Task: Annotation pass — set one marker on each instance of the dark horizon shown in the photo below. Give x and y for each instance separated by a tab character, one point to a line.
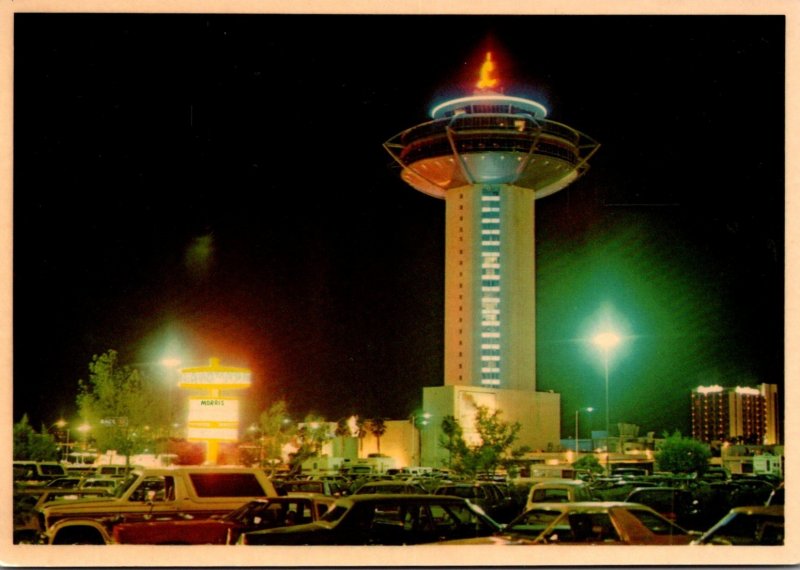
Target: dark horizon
216	184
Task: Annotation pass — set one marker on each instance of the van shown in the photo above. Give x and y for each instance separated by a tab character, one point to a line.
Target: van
116	471
37	472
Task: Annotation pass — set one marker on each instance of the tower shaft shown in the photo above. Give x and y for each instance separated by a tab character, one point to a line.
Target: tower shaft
490	287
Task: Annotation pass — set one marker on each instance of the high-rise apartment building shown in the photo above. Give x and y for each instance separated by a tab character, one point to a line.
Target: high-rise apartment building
750	415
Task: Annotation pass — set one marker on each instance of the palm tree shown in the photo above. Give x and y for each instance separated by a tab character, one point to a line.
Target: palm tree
377	427
342	429
362	426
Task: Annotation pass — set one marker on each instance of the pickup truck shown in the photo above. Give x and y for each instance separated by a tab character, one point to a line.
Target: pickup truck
149	494
260	514
27	500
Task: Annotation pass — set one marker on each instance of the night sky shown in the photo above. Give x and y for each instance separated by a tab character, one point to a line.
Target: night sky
216	186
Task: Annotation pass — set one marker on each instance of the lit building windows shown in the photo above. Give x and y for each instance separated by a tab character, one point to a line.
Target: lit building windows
490	285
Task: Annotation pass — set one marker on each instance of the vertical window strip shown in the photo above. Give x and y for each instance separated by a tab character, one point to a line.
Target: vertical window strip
490	278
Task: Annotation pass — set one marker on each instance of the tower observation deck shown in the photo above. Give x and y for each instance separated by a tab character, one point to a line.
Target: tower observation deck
490	156
491	138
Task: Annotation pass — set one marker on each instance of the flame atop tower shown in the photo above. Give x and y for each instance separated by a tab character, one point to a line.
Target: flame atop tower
487	80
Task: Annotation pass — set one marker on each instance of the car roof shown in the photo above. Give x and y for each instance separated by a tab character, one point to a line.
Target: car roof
407	498
589	505
294	497
771	510
305	495
565	482
638	490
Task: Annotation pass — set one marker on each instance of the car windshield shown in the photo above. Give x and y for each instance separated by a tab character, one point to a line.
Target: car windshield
656	524
52	469
381	489
334	514
126	484
464	492
532	523
750	530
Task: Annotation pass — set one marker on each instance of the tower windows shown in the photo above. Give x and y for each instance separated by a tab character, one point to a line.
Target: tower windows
490	285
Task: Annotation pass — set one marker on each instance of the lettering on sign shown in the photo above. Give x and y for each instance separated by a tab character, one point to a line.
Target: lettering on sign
220	409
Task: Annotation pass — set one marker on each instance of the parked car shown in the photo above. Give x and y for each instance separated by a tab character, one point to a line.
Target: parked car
629	472
70	482
678	505
776	497
384	487
118	471
762	526
27	501
486	495
38	472
608	523
559	491
323	487
106	483
386	520
718	498
256	515
716	473
609	489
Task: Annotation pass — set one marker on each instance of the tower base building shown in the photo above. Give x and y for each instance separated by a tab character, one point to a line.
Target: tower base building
538	414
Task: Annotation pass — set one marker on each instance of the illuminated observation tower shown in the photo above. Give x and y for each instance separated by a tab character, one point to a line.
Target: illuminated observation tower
489	156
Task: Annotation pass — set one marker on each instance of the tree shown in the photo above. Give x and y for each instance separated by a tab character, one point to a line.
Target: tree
120	405
310	437
452	439
361	432
276	431
342	428
497	437
377	427
588	463
33	446
492	449
680	454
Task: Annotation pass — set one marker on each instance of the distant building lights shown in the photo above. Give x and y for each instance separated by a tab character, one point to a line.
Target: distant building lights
709	389
747	391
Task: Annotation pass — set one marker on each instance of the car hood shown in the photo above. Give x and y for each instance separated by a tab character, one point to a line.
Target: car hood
496	539
309	527
78	504
296	534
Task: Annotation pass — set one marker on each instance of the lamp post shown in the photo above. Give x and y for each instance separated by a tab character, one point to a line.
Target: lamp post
256	433
606	341
419	421
171	364
577	413
84	429
62	425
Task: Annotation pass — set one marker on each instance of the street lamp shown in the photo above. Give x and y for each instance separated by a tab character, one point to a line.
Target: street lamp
256	433
84	429
606	341
419	422
171	364
577	412
62	425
